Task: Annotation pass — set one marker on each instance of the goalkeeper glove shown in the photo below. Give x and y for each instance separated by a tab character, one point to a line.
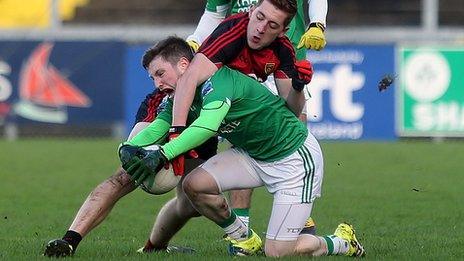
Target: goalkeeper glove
129	154
140	163
194	45
150	164
178	163
314	37
305	74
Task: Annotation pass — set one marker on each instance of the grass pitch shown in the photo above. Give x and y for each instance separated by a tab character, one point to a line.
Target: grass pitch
405	200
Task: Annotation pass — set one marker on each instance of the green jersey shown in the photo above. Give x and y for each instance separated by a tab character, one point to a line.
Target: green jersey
296	27
238	108
258	121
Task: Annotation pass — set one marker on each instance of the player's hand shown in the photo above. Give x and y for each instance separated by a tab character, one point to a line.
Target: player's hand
305	70
194	45
313	38
178	163
151	162
305	74
129	154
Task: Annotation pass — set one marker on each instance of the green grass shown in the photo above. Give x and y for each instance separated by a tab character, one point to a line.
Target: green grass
405	199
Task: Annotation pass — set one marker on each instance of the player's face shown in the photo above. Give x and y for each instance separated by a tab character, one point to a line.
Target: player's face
163	74
266	24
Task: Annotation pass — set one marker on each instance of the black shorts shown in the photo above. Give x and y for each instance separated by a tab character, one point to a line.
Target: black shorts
147	113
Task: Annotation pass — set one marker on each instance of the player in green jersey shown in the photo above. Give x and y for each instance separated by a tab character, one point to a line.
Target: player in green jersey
272	149
217	10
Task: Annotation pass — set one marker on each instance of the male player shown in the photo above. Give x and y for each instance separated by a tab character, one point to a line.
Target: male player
102	199
314	38
272	148
255	44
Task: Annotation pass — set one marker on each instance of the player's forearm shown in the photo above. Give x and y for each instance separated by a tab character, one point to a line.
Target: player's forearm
152	134
203	128
317	11
208	22
295	101
199	70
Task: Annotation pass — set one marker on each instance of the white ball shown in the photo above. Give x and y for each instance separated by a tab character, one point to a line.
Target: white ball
163	182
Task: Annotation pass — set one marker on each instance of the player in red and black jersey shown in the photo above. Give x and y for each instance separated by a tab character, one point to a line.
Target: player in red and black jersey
228	45
253	43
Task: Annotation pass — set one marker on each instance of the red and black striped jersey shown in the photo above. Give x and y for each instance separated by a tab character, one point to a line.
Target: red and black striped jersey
227	45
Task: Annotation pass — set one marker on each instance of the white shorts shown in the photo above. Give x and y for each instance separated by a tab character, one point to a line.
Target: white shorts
295	181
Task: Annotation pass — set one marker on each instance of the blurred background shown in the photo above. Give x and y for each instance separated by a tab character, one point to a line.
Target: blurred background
72	67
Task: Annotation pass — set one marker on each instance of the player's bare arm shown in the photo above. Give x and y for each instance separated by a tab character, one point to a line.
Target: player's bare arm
295	99
200	69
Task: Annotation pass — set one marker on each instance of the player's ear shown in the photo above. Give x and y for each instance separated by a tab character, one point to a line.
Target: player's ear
183	64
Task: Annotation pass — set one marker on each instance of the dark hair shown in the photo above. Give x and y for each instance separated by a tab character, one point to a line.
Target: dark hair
171	49
288	6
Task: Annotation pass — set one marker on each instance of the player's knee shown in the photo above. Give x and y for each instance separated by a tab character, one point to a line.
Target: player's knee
198	182
118	184
185	208
119	179
190	187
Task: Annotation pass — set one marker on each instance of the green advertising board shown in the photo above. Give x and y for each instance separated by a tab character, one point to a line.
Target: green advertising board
430	97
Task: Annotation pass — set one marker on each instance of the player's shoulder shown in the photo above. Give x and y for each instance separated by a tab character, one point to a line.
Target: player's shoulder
282	43
165	104
231	21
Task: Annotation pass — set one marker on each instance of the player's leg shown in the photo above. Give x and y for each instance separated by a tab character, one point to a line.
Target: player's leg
283	239
204	187
95	208
300	184
240	201
342	242
172	216
178	211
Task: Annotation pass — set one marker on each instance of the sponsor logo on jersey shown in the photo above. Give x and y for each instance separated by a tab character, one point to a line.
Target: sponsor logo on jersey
269	68
162	106
228	127
207	88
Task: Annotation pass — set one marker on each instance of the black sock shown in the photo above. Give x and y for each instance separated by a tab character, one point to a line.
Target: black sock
73	238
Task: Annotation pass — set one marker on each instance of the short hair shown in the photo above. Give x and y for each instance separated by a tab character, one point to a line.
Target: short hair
171	49
288	6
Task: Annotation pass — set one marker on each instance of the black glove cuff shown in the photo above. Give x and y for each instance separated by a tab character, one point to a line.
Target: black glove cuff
318	25
177	129
298	84
163	156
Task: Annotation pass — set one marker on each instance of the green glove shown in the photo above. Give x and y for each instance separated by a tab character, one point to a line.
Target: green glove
129	154
150	164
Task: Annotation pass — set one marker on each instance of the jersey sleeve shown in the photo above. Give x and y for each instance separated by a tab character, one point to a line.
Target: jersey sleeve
155	133
317	11
286	54
218	6
203	128
215	12
226	41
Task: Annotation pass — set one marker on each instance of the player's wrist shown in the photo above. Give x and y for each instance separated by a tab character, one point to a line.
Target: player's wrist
176	129
318	25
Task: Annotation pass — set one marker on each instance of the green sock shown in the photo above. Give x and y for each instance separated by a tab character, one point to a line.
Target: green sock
336	245
234	227
243	214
